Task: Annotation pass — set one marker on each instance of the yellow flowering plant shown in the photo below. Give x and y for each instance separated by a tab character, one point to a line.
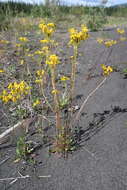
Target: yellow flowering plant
121	33
48	29
47	89
75	39
53	60
77	36
23	53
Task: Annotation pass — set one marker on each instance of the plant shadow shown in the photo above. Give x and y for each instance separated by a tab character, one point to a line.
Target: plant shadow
99	121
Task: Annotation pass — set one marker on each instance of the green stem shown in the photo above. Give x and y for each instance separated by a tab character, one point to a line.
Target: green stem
73	72
56	101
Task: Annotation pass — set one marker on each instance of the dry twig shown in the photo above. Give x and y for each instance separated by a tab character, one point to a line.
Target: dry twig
14	179
86	100
3	161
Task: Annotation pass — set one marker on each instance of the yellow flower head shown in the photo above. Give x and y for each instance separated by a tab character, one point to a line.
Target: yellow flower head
2	71
39	81
100	41
72	31
114	42
106	69
120	31
41	25
45	41
110	43
37	102
53	60
38	52
76	37
23	39
55	91
18	45
84	28
47	29
52	25
64	78
40	73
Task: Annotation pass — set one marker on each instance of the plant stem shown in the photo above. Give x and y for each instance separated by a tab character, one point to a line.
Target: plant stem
56	101
73	72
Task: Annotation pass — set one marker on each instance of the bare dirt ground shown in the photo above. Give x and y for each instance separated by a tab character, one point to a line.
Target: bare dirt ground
101	162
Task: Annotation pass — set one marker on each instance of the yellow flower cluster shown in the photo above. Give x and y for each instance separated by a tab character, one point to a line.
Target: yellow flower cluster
120	31
38	80
107	43
84	28
64	78
53	60
100	41
2	71
40	74
37	102
110	43
76	37
45	41
48	29
49	41
55	91
23	39
15	91
106	69
18	45
38	52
